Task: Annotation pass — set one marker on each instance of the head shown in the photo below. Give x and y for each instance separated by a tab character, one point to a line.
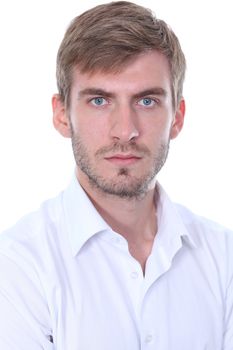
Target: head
107	37
120	74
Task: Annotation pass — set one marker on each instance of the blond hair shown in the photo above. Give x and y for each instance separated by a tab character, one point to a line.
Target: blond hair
106	37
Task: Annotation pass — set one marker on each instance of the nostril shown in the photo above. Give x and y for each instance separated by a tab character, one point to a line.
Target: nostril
124	132
124	123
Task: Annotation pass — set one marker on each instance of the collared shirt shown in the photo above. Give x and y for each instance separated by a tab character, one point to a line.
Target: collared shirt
68	282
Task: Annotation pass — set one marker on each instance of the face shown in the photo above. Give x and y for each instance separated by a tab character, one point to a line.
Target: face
121	125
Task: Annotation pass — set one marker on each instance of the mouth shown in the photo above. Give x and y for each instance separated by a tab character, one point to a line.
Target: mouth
123	159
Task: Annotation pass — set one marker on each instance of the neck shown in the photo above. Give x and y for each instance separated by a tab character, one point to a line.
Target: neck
135	218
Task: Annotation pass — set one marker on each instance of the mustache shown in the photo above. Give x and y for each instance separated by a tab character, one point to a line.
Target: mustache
123	148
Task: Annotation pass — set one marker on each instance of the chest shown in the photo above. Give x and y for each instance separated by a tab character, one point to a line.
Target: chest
108	303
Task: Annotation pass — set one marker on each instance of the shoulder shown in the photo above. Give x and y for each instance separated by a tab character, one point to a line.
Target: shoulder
214	246
29	254
27	266
201	229
33	230
214	241
202	226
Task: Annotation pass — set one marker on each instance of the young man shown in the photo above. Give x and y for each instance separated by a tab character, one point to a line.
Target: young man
111	263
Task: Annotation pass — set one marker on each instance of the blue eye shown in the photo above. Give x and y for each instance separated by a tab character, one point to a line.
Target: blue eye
147	102
98	101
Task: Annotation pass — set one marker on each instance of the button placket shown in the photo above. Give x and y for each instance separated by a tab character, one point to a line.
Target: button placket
134	275
148	338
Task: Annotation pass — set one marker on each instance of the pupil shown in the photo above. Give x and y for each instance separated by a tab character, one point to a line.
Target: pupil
98	101
146	101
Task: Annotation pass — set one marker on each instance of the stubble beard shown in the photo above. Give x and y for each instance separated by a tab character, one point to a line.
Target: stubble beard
123	184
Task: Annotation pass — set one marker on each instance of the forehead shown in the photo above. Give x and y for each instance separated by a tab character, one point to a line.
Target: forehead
147	70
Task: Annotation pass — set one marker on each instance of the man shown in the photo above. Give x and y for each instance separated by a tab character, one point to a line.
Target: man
111	263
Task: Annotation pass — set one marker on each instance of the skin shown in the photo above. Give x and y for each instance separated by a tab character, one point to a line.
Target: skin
121	125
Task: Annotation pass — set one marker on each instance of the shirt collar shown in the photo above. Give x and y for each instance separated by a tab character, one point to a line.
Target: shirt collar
82	220
171	227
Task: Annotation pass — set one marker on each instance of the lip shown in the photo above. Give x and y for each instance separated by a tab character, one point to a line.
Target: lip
123	159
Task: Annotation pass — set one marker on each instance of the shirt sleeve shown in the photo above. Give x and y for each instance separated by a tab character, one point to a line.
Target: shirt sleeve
24	317
228	333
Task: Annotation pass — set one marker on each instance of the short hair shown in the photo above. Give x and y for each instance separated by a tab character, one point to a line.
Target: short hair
107	37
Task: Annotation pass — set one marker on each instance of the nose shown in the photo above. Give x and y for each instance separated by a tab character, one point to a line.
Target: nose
124	124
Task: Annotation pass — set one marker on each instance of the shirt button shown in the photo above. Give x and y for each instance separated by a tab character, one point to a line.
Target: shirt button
148	338
134	275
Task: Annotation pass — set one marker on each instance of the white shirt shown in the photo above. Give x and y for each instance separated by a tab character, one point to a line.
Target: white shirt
65	275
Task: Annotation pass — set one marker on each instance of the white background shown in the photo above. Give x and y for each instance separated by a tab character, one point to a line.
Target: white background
36	163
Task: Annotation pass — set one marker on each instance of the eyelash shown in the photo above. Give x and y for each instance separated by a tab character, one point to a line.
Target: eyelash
96	98
153	101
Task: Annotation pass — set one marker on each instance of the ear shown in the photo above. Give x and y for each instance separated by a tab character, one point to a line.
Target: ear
61	120
178	121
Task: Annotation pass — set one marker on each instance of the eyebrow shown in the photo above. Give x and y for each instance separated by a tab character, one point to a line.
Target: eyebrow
153	91
100	92
94	92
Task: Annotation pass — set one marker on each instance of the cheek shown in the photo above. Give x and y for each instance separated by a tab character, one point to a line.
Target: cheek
93	134
158	134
